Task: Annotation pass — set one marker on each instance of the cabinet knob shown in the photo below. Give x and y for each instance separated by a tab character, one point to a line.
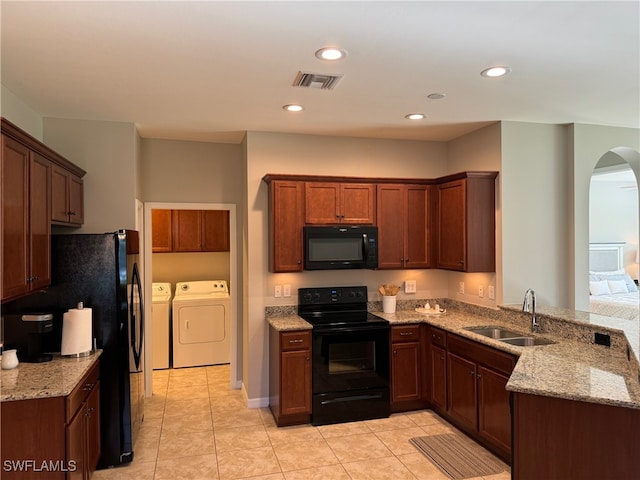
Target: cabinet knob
442	358
71	213
395	353
479	376
472	373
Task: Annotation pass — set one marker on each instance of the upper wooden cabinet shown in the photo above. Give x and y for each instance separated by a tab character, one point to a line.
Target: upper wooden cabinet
67	197
404	226
333	203
190	230
466	223
286	218
161	237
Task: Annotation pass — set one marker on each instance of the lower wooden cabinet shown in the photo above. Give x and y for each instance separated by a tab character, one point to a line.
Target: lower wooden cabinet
463	393
437	365
290	376
61	434
406	368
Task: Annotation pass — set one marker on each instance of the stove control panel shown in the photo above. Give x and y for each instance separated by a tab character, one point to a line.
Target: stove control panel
332	295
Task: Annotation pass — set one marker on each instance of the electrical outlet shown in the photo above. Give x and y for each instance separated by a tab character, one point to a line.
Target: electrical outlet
277	291
492	292
461	288
286	290
481	291
410	286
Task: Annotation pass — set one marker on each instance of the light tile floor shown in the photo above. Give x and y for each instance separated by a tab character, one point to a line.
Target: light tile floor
196	427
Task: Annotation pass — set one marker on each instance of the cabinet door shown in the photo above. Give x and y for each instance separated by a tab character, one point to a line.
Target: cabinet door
416	230
451	225
286	220
215	230
462	390
76	439
322	203
15	218
438	381
357	203
93	428
39	222
187	230
494	415
59	194
161	235
390	215
295	382
405	375
76	200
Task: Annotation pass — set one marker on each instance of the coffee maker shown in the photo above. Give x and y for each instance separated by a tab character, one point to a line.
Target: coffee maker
27	333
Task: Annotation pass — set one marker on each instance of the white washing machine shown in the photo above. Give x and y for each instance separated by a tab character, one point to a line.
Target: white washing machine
201	323
161	298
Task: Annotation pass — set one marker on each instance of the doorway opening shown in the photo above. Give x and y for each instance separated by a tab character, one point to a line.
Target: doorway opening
173	267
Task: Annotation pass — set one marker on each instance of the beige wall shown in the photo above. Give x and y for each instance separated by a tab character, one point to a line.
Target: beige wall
19	113
107	151
187	267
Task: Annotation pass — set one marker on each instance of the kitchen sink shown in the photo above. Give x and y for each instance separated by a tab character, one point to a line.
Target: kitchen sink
494	332
527	341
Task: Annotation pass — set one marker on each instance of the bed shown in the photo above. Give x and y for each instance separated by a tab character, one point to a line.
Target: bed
612	291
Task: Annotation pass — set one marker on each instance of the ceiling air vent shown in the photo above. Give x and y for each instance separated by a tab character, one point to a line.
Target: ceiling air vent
323	81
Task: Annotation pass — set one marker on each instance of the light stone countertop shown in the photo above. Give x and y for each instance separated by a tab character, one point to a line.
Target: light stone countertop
567	369
56	378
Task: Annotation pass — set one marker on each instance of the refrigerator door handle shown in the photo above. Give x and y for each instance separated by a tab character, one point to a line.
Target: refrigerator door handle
136	323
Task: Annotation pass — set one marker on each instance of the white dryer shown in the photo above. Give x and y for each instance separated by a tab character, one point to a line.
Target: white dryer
201	323
161	308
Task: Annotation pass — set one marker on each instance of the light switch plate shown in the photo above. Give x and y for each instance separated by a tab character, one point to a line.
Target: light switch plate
410	286
286	290
492	292
277	291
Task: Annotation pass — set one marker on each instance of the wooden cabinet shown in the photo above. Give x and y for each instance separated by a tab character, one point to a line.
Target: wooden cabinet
63	431
332	203
26	220
290	376
83	426
478	401
67	197
466	222
286	218
559	438
438	368
406	368
189	230
404	220
161	234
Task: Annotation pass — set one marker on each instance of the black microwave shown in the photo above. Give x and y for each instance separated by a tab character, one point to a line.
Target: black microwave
340	247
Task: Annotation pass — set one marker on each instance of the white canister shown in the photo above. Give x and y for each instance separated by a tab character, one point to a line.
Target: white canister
389	303
9	359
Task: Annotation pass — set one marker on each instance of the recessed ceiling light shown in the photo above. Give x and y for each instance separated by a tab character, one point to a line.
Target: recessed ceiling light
436	96
330	53
497	71
415	116
293	107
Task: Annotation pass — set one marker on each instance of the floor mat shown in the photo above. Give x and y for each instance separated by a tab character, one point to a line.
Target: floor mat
458	456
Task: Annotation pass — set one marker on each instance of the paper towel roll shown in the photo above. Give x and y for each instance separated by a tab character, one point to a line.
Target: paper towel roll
76	332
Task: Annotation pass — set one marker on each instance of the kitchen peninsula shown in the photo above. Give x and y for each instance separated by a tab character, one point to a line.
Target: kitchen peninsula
571	385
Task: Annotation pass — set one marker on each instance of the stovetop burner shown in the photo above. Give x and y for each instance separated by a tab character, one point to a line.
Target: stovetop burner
336	306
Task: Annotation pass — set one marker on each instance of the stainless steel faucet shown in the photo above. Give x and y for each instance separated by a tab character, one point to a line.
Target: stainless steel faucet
531	308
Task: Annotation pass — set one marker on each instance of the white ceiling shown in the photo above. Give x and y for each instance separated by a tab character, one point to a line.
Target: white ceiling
211	70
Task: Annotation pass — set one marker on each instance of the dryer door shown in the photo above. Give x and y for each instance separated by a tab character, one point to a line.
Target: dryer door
201	324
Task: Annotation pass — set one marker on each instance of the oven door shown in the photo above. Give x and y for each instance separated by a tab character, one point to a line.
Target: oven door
350	373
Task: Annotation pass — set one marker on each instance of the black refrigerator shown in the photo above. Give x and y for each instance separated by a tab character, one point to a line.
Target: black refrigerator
101	270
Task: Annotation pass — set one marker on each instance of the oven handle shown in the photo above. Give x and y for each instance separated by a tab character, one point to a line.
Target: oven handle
365	247
351	399
347	329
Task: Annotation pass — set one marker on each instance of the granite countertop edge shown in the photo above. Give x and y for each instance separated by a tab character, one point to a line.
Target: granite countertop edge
546	370
57	378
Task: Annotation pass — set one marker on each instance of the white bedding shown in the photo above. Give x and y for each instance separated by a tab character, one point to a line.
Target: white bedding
620	305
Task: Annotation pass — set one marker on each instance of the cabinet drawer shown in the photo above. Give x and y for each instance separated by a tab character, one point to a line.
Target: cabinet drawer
405	333
438	337
295	340
492	358
82	391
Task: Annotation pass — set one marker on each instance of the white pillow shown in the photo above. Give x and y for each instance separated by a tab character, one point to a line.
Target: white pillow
600	287
618	286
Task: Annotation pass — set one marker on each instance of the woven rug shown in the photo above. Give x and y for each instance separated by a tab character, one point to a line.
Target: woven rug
458	456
